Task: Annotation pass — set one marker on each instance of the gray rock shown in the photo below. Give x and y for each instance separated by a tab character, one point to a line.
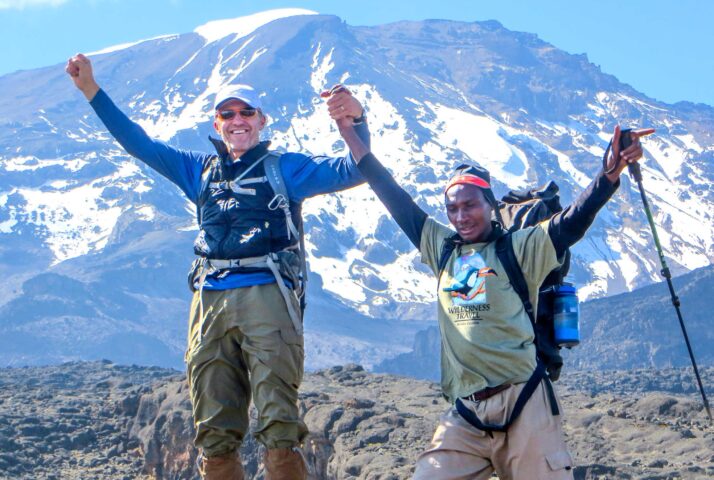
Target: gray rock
661	463
363	425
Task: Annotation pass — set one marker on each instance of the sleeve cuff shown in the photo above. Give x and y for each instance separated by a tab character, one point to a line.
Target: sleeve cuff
361	119
98	98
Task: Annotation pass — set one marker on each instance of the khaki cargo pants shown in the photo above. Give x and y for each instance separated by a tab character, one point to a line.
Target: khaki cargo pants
244	346
533	448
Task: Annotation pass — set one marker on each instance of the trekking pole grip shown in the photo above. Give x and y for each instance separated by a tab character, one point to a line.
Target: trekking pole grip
635	172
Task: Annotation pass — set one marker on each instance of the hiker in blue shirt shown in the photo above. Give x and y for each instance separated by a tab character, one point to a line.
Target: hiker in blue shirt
245	331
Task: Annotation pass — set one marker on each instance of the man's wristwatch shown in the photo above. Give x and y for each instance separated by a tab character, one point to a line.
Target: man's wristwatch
360	119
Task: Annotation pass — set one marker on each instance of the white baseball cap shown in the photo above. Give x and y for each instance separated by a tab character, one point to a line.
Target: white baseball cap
243	93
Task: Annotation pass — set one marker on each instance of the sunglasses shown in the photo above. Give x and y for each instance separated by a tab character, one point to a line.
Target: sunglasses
243	112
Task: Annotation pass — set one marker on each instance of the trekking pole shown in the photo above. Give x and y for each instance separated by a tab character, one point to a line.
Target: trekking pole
636	174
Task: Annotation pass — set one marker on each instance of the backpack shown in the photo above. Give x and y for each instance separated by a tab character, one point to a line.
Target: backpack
288	264
516	210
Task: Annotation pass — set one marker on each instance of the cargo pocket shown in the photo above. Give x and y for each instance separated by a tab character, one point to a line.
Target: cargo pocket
560	462
283	358
294	350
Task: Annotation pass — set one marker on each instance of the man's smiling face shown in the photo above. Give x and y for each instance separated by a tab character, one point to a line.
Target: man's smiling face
240	132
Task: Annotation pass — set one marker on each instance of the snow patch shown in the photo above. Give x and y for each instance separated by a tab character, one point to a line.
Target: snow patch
31	163
478	137
77	221
123	46
187	113
246	25
689	142
320	69
146	212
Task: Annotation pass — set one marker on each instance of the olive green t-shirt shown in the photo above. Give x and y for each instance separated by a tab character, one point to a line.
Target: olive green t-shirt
486	335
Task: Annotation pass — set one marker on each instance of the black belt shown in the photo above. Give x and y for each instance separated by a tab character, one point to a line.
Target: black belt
539	375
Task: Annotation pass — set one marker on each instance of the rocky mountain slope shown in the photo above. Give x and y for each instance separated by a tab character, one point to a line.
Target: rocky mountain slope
94	246
105	421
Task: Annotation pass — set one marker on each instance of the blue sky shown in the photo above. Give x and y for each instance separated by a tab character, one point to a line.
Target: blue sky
660	47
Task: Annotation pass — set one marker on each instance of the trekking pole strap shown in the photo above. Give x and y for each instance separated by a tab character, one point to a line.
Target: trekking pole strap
538	375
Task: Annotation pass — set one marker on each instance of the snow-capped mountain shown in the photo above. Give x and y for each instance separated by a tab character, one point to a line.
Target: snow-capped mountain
94	246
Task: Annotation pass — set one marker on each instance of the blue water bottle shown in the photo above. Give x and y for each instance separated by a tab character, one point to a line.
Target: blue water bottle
566	315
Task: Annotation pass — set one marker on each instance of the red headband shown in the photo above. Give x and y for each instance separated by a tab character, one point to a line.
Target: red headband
467	179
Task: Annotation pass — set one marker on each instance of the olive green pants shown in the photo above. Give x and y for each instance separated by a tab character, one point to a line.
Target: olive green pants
244	345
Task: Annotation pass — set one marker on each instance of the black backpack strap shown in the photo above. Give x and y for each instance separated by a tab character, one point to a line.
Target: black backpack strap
538	375
447	248
551	396
504	250
507	257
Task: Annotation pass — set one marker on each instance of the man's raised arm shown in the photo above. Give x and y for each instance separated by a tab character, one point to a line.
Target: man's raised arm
407	214
569	226
181	167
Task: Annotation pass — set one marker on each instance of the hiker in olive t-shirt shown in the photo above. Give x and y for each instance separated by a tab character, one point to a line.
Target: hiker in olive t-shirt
488	354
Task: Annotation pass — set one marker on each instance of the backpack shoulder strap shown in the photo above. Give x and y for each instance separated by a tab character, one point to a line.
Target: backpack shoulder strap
275	175
282	200
447	247
504	250
210	165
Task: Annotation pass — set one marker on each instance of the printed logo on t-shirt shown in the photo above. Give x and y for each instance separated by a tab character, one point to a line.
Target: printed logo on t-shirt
469	283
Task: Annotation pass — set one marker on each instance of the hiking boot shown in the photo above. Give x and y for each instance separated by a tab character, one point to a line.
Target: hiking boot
222	467
284	464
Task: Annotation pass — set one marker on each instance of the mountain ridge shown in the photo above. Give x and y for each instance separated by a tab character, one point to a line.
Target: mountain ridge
73	203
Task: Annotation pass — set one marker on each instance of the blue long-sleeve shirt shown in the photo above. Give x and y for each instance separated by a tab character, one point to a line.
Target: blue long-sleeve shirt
305	176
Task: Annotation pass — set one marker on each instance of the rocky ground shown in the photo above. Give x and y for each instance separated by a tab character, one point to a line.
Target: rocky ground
104	421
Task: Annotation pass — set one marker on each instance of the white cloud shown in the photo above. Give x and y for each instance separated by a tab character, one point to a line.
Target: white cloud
21	4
